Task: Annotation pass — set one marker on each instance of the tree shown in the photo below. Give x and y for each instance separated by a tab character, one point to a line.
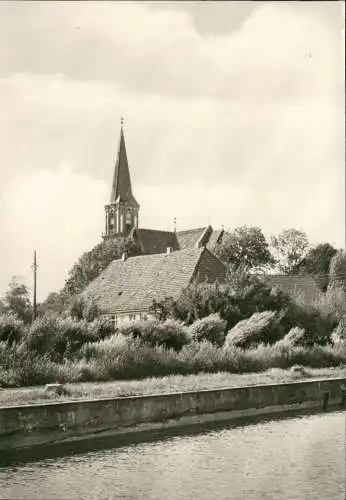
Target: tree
17	301
245	247
289	247
317	263
337	273
92	263
55	304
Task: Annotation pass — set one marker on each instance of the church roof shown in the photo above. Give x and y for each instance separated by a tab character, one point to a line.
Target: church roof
131	285
153	241
121	187
190	237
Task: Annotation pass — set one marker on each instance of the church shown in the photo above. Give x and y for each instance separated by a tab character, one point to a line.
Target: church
169	260
122	217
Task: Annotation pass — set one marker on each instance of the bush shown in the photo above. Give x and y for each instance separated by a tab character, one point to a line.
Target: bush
294	337
101	328
11	328
120	357
332	302
238	299
339	334
211	328
170	333
260	327
83	309
318	326
57	337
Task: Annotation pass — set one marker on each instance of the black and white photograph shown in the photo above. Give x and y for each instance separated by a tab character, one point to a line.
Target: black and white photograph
172	250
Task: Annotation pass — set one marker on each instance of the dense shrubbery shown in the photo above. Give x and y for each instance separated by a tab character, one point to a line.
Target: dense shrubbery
211	328
261	327
11	329
120	357
245	295
264	328
170	333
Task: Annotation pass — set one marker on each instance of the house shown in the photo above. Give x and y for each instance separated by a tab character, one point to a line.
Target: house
302	286
127	288
122	217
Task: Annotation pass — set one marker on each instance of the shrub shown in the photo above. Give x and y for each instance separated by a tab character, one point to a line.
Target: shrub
101	328
238	299
83	308
11	328
260	327
211	328
318	326
120	357
294	337
332	302
21	367
339	334
40	336
170	333
57	337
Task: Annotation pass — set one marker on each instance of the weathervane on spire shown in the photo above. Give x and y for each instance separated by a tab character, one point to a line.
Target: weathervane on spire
122	120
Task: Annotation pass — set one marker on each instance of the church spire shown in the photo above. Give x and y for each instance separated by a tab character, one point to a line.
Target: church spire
122	211
121	187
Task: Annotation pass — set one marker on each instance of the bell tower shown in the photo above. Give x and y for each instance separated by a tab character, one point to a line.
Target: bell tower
122	210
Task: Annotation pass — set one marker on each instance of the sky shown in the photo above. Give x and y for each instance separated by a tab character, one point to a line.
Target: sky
234	115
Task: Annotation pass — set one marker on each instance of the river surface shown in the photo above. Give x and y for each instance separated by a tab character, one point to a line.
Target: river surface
292	459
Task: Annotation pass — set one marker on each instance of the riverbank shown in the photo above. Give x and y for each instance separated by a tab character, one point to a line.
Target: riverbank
61	423
162	385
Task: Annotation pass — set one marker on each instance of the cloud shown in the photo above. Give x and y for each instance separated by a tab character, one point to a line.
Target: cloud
237	125
159	51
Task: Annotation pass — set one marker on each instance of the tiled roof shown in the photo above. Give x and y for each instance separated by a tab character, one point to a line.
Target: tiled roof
294	284
152	241
189	238
121	187
215	238
133	284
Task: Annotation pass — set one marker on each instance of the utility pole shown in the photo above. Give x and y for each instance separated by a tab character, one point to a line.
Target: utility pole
34	268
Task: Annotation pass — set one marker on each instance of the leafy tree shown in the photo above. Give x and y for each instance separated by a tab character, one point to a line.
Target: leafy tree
55	304
317	263
245	247
17	301
337	273
92	263
289	247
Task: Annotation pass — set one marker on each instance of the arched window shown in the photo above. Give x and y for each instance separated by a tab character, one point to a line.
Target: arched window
128	217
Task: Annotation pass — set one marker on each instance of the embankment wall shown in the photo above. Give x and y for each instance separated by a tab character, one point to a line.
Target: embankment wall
25	426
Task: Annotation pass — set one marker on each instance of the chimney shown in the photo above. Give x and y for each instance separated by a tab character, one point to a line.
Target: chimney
169	250
124	256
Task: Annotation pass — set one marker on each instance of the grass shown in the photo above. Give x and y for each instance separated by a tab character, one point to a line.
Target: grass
159	385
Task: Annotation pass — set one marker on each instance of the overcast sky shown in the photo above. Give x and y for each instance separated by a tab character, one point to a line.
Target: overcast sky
234	114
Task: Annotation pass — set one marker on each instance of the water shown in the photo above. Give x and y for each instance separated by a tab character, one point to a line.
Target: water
294	459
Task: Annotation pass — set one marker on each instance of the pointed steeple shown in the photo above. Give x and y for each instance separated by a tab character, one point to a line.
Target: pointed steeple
122	210
121	187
